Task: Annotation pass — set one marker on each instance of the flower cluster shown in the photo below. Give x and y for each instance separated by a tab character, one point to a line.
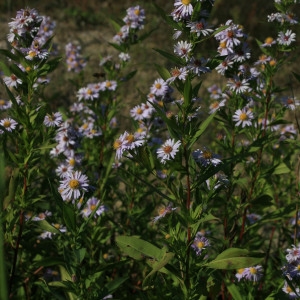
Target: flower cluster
75	61
134	21
292	272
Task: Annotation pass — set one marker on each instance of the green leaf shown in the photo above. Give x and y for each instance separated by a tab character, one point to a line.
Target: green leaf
47	226
80	254
163	72
201	129
69	217
157	266
234	290
173	58
141	248
234	258
113	285
282	168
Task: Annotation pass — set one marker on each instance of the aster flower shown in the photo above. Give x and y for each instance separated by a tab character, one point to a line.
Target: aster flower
159	87
163	211
200	28
9	124
286	38
73	185
12	81
198	66
224	66
93	204
216	105
293	254
4	104
109	85
177	73
254	273
182	9
183	49
288	290
206	157
168	150
55	119
269	41
237	85
124	56
200	243
243	117
63	170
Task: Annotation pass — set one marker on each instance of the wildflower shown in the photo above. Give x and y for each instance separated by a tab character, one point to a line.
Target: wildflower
55	119
124	56
199	27
288	290
224	66
183	49
93	204
159	87
72	185
198	66
109	85
42	216
286	38
240	274
183	8
74	59
269	41
12	81
293	254
252	218
237	85
87	93
253	273
137	113
200	243
5	104
163	211
206	157
63	170
9	124
177	73
168	150
243	117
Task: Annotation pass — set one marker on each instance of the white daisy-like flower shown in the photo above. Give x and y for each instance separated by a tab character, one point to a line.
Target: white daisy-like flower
243	117
12	81
73	185
55	119
163	211
9	124
198	65
124	56
177	73
286	38
269	41
183	8
168	150
159	87
200	27
183	49
223	66
293	254
109	85
237	85
216	105
63	170
91	205
206	157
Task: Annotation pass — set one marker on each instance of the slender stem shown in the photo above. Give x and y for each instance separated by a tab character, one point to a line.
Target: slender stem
21	224
188	206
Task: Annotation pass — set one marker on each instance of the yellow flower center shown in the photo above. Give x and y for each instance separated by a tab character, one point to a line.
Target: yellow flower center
74	184
272	62
207	154
56	225
89	92
130	138
240	271
32	54
139	111
223	45
93	207
108	84
269	40
200	245
2	102
215	104
137	12
6	123
185	2
158	86
243	116
252	270
85	126
161	210
175	73
72	162
117	144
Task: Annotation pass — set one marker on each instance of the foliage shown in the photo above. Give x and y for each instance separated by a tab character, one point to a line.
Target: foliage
197	200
